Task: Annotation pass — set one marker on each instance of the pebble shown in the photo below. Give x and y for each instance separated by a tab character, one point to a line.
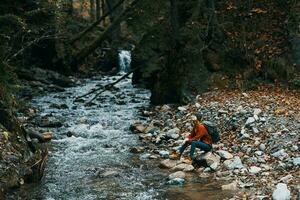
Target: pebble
176	181
262	147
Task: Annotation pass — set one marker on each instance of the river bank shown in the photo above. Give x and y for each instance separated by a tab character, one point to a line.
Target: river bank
259	145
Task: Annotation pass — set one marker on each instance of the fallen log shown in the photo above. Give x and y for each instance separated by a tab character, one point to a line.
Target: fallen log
106	87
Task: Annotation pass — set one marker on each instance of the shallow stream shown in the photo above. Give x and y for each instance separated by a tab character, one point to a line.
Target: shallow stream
95	162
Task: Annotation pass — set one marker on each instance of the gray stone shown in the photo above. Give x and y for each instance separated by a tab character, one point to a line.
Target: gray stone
256	111
211	159
164	154
184	167
224	154
176	181
250	120
280	154
178	174
281	192
255	130
296	161
145	156
254	170
173	133
262	147
236	163
168	163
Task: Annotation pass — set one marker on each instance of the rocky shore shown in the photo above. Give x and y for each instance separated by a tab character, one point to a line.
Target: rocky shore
258	156
23	153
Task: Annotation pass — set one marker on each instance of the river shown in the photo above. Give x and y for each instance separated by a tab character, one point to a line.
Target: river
95	162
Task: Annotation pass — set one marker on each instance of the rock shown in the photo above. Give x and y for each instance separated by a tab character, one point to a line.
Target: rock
178	174
136	150
250	120
236	163
280	154
224	154
210	159
168	163
152	130
255	130
184	167
181	108
173	133
281	192
286	179
137	128
176	181
164	154
262	147
165	108
231	186
153	157
259	153
254	170
296	161
256	111
145	156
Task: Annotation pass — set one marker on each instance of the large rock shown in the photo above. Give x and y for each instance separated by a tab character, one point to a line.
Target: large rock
281	192
224	154
210	159
184	167
235	163
178	174
168	163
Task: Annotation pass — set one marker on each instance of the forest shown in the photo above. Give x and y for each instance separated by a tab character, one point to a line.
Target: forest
140	99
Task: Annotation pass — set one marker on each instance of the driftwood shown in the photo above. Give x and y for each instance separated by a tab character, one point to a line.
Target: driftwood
80	35
105	88
82	54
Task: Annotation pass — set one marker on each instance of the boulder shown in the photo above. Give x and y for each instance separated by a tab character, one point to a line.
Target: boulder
210	160
235	163
281	192
178	174
167	163
184	167
224	154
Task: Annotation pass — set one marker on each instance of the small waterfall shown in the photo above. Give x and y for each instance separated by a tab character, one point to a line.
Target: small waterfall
124	60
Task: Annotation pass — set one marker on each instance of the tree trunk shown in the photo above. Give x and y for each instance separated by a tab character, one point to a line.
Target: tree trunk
98	8
92	10
168	87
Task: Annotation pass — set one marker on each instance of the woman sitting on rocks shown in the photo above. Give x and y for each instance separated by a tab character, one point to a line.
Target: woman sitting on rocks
199	138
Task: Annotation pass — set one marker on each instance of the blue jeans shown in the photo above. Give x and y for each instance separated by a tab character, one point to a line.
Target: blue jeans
195	144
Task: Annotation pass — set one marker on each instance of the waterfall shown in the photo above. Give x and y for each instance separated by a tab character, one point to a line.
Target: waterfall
124	60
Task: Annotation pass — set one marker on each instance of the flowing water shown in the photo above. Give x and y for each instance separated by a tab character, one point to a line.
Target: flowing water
95	162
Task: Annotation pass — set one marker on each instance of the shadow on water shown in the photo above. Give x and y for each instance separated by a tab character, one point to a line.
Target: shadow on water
95	162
